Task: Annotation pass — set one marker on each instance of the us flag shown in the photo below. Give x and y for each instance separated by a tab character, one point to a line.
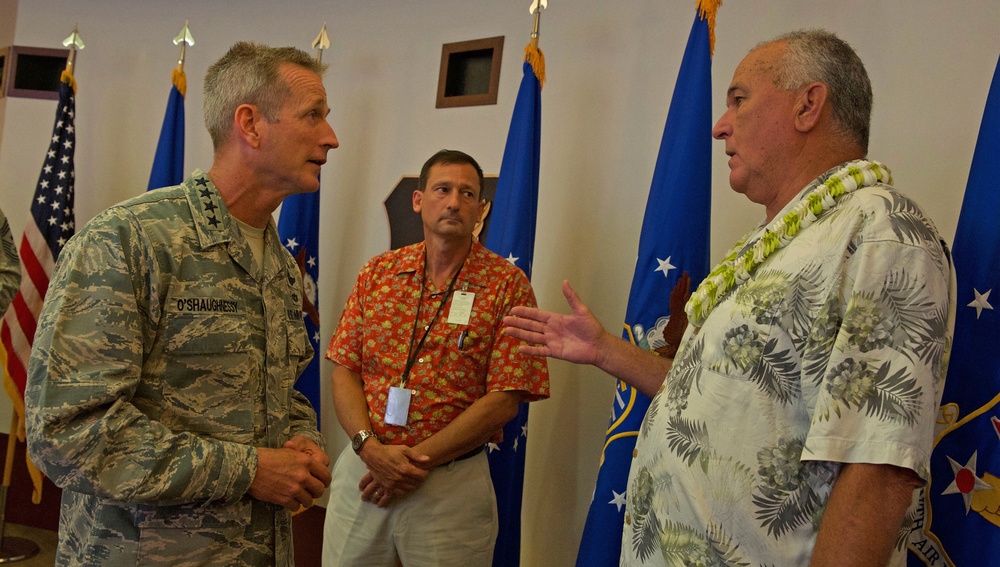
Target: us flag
51	224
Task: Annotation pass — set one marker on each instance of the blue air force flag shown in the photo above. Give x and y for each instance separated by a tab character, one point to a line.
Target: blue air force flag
168	163
512	235
298	228
960	524
674	240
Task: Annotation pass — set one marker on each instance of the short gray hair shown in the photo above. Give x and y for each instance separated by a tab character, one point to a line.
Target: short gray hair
249	74
820	56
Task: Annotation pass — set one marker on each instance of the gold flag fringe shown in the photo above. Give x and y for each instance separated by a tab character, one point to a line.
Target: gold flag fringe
67	78
534	56
180	81
707	9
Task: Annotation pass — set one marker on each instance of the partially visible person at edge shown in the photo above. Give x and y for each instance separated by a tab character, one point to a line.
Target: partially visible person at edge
160	393
796	421
423	379
10	266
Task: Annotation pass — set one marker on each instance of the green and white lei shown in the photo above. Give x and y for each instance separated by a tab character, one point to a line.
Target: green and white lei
736	268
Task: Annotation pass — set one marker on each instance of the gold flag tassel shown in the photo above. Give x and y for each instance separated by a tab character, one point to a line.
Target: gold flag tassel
532	53
67	77
179	79
707	9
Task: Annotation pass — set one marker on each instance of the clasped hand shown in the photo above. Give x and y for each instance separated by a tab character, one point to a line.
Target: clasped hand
292	476
393	471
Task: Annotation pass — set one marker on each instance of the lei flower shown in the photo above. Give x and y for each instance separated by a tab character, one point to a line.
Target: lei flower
736	268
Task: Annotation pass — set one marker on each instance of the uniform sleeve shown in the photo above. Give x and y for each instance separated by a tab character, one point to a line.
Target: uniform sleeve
508	368
301	415
10	265
878	398
84	428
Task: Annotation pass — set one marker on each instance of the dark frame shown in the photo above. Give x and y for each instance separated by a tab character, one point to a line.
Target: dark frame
11	70
452	56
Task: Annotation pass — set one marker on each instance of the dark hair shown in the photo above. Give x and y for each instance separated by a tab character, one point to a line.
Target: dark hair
449	157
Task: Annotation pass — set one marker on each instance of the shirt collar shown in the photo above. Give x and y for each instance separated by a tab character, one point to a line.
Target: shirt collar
412	261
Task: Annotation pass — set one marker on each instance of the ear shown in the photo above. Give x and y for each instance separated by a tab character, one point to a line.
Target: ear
483	209
418	197
248	122
809	106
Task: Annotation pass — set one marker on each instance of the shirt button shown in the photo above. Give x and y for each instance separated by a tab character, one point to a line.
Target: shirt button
427	327
635	453
420	360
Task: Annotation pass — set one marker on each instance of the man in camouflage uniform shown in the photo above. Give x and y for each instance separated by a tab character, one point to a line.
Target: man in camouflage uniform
10	266
160	392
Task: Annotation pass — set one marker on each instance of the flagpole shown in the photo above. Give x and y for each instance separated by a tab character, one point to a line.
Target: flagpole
168	159
298	232
12	548
534	26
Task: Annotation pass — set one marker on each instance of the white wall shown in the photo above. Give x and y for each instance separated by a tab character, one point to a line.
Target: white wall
611	71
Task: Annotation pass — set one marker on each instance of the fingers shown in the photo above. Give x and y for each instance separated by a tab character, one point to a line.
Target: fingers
307	446
415	457
524	329
529	314
533	350
573	299
365	481
378	495
288	478
320	472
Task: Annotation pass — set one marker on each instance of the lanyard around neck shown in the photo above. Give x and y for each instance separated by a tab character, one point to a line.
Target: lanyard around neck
411	353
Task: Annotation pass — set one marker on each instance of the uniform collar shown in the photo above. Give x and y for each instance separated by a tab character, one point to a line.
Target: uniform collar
216	226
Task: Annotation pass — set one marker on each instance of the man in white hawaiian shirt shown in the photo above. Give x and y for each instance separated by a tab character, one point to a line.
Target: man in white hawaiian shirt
796	421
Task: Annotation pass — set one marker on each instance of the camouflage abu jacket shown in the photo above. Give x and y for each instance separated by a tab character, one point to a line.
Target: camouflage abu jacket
10	266
159	364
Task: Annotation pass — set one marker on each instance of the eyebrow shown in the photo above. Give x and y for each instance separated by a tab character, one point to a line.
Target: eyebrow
734	88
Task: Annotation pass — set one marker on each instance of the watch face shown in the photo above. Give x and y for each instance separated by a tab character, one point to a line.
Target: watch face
359	439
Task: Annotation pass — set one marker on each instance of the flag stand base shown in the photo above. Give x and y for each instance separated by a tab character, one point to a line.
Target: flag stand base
17	549
12	548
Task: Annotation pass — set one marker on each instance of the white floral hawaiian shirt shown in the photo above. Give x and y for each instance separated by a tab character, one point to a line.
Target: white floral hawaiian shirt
834	351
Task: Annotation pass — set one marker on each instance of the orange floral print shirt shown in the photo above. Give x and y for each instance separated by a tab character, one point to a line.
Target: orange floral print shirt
375	337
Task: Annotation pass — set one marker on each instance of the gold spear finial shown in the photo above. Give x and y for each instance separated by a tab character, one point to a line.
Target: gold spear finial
183	39
74	43
321	42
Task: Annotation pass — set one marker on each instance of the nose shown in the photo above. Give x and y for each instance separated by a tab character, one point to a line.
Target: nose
723	128
330	137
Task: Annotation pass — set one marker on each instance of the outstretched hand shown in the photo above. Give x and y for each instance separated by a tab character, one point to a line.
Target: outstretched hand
577	337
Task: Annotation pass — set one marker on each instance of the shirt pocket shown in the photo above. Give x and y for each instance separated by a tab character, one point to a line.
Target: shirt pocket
209	374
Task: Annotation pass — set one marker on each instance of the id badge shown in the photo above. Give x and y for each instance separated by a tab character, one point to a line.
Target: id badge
397	410
461	307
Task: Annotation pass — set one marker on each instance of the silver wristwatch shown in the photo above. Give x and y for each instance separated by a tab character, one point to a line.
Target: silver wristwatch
359	439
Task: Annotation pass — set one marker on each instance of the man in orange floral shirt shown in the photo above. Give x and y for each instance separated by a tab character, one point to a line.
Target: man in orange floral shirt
424	378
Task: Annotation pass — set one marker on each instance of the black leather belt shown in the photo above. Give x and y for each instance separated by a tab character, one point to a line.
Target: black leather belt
468	455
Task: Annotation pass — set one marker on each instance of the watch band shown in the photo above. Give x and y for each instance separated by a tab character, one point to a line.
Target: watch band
359	439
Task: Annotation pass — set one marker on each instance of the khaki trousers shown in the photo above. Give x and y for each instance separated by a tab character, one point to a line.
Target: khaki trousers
450	520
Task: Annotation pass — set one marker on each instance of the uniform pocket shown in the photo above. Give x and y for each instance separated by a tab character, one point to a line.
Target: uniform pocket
208	369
